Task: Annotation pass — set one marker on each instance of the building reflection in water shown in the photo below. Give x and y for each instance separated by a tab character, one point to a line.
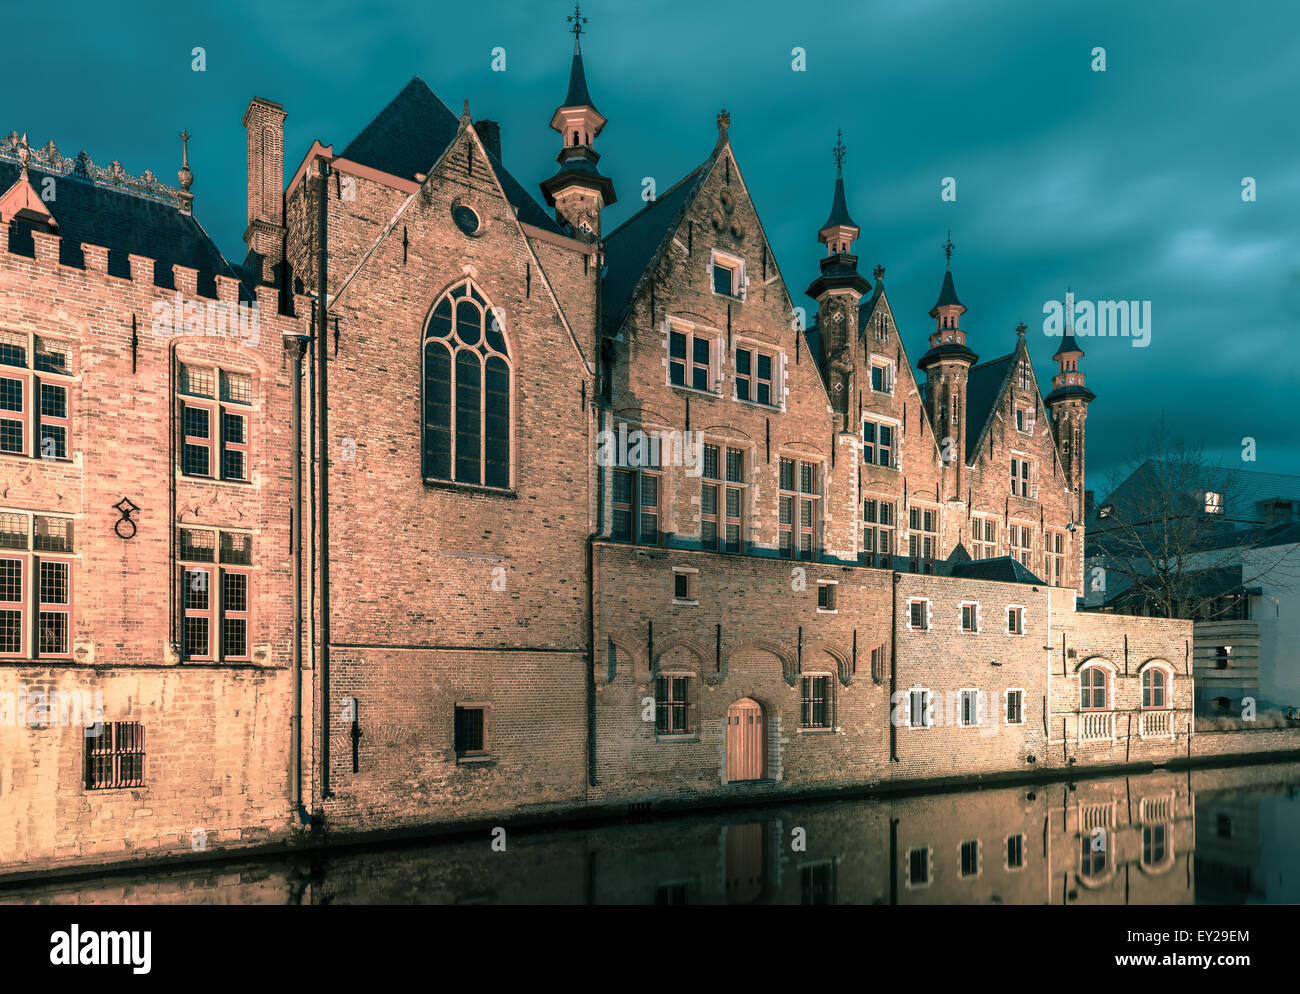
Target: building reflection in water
1202	836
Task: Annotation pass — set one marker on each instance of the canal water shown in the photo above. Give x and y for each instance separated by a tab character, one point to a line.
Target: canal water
1223	836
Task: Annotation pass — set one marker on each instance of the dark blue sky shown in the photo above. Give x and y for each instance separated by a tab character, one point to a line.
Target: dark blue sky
1125	184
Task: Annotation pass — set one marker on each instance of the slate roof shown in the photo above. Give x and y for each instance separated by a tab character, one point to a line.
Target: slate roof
578	95
632	246
1068	344
411	133
947	294
1003	569
984	387
125	224
1245	492
839	209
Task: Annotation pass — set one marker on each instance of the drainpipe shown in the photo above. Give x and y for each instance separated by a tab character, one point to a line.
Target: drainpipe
296	344
322	453
893	672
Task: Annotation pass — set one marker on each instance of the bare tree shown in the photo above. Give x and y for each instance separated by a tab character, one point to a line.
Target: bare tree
1173	538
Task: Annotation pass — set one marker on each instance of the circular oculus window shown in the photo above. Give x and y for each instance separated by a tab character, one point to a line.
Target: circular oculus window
466	219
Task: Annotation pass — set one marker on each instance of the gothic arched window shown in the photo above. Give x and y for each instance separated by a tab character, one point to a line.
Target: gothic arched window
466	392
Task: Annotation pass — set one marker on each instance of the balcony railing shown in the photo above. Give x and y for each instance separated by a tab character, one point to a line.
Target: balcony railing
1155	724
1096	726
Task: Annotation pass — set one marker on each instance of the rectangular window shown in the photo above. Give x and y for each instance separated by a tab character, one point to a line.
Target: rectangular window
1015	852
984	538
115	757
970	858
799	510
690	360
826	596
754	376
672	708
1020	476
919	615
878	444
970	618
470	732
1015	620
214	431
35	586
34	403
1053	557
1021	543
1015	707
1025	379
215	594
969	708
918	708
877	532
724	279
685	585
636	507
882	377
722	507
815	709
918	867
923	539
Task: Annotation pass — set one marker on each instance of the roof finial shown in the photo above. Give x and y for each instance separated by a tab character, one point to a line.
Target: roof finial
24	157
878	273
185	176
577	20
724	119
948	246
1020	329
838	151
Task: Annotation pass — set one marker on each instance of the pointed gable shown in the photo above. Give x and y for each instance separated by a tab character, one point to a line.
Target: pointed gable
410	134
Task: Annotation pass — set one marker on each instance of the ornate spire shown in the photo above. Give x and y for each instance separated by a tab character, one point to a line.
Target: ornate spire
840	229
578	95
184	175
1068	347
948	246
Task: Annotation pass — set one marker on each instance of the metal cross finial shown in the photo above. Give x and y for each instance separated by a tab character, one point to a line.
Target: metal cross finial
1021	328
839	150
948	246
879	273
577	20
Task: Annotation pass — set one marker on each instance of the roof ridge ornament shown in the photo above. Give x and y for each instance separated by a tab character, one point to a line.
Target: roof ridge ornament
724	120
24	156
878	273
49	159
184	175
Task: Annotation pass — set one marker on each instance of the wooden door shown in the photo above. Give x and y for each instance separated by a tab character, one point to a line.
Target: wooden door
744	741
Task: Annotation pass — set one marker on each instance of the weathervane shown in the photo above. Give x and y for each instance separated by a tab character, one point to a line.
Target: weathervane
948	246
577	20
838	151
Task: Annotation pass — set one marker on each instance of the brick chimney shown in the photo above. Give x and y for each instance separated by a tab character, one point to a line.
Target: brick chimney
490	132
264	123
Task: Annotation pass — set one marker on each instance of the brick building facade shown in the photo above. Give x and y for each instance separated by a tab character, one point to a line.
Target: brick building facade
827	576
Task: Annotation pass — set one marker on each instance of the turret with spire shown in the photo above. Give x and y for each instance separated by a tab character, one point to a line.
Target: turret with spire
947	367
837	292
578	191
1068	406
